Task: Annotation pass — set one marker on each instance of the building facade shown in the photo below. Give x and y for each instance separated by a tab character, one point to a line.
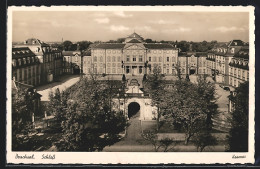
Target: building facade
72	63
133	57
238	67
219	58
192	63
50	60
25	66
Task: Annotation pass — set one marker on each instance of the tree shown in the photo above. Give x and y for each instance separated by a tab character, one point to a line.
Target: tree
238	134
120	40
190	107
148	40
67	45
83	45
22	109
90	122
166	143
56	105
154	85
203	139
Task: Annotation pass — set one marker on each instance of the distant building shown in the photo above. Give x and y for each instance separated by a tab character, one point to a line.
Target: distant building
218	60
72	62
238	67
133	57
192	63
26	66
50	60
86	63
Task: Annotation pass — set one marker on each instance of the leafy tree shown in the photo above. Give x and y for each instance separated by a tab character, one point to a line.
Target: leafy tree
90	122
22	109
149	41
191	107
120	40
203	139
183	45
83	45
56	105
67	45
155	85
166	143
238	134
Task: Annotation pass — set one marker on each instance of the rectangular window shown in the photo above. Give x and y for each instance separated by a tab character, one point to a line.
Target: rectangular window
127	69
168	59
160	59
243	75
118	70
114	59
140	58
95	59
128	58
118	59
168	71
134	58
150	59
140	69
108	59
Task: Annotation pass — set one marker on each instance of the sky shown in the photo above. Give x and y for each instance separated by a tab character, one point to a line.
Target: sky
75	26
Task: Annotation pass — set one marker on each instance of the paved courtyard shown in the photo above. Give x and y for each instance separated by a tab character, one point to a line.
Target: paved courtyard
63	82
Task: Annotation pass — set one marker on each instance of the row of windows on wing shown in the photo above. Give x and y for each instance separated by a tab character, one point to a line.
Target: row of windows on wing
24	61
236	72
135	51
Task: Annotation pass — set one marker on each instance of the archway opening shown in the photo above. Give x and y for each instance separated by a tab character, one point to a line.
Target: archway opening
133	109
76	70
192	71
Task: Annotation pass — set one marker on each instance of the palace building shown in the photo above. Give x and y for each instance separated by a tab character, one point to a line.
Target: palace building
133	57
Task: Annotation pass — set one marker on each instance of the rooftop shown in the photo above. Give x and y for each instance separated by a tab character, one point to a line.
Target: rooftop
109	46
159	46
21	52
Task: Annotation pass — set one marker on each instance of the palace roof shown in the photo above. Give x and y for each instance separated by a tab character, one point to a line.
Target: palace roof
134	41
243	53
21	52
33	42
109	46
159	46
134	35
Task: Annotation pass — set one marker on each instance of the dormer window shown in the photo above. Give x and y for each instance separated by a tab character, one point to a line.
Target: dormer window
14	62
232	50
24	61
32	59
28	60
19	62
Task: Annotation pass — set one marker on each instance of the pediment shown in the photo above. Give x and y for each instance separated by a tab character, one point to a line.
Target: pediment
134	47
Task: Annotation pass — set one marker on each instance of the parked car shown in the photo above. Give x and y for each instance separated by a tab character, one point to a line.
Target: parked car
226	88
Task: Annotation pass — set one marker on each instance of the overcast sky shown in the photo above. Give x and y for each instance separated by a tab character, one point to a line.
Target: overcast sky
92	26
